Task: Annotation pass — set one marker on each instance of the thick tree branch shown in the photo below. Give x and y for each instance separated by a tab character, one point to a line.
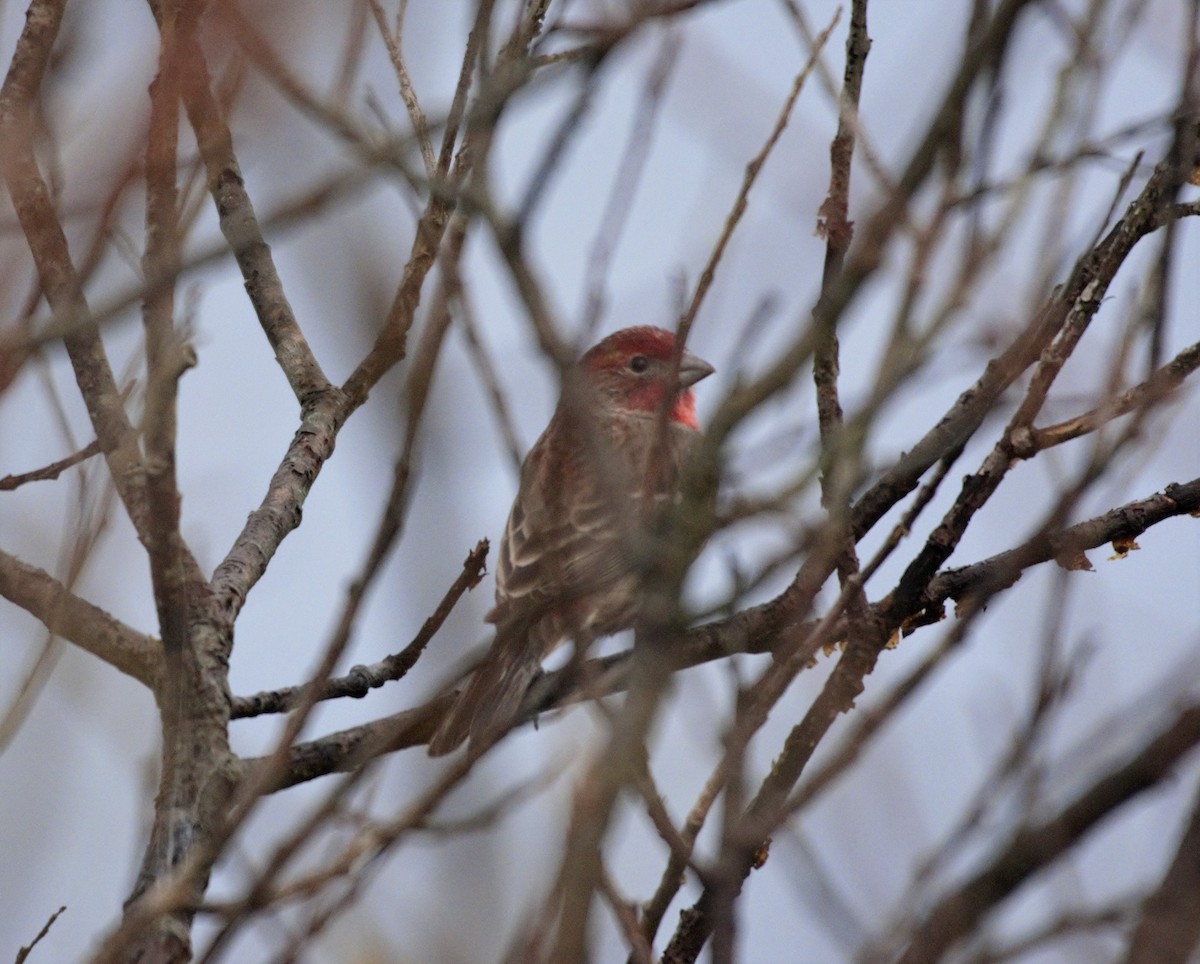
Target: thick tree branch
79	622
192	695
279	513
172	567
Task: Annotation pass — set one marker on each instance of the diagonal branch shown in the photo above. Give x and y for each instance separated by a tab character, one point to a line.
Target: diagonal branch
279	513
241	228
48	245
1035	847
407	92
1154	389
362	679
78	621
1168	929
280	510
749	177
51	471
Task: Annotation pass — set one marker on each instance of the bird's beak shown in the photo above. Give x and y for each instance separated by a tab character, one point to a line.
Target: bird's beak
692	369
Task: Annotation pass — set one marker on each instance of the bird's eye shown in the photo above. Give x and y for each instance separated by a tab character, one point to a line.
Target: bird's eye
639	363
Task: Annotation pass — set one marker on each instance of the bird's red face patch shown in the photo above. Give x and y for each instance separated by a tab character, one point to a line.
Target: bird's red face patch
684	411
634	366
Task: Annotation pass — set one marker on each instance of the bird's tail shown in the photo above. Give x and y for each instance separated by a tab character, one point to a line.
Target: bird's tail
492	698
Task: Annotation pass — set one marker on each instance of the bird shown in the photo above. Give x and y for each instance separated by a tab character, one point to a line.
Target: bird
566	567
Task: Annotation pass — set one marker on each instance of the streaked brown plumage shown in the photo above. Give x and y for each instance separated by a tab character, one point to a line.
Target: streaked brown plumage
564	569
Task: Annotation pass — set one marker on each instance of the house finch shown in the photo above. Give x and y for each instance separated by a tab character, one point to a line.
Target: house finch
566	566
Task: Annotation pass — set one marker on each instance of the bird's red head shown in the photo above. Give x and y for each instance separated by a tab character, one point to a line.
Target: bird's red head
631	369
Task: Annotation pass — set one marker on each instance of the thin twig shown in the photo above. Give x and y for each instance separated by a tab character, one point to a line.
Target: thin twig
24	952
1158	386
640	951
748	179
625	183
362	679
498	406
407	92
51	471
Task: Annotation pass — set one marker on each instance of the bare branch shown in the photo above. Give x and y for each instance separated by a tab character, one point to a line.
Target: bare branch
243	232
77	621
279	513
749	177
362	679
407	93
48	245
1035	846
167	356
25	951
491	382
1153	390
1168	929
51	471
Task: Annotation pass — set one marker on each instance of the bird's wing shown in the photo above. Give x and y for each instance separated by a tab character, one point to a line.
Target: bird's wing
564	540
